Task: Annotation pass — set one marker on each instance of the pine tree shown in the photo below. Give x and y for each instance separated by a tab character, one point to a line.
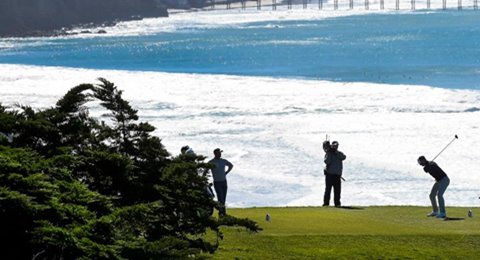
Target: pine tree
72	187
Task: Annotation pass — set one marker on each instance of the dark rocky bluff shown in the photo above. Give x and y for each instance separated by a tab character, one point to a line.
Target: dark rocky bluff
48	17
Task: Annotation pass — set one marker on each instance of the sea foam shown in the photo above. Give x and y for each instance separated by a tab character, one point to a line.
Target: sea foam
222	17
272	129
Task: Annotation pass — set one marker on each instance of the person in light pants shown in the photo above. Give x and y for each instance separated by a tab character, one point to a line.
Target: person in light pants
441	183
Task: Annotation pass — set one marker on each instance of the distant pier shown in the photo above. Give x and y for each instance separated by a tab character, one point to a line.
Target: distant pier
343	4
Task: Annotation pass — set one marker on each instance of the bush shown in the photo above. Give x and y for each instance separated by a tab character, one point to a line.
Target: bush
75	188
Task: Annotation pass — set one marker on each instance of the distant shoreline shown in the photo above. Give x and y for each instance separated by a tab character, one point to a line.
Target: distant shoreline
87	28
22	18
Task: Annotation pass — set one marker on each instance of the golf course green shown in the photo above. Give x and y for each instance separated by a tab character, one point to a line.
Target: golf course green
387	232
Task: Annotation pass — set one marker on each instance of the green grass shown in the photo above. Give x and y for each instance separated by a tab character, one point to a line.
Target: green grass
371	233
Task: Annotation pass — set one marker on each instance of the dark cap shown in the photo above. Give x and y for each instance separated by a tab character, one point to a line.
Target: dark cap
422	160
217	150
184	148
335	144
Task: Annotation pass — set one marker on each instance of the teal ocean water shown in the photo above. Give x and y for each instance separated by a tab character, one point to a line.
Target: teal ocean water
440	49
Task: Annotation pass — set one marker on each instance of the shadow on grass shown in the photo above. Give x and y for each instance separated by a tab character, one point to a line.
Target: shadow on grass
448	219
350	207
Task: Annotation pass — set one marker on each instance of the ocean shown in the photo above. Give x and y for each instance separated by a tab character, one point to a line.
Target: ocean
268	86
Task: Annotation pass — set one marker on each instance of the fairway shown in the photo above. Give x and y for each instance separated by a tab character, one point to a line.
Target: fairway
368	233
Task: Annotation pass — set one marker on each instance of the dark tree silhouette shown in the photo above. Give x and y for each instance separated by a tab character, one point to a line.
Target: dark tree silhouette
74	187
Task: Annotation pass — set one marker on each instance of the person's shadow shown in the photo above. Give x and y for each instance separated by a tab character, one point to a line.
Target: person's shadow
449	218
350	207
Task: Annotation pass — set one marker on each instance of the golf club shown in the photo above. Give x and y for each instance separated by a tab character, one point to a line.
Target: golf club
454	138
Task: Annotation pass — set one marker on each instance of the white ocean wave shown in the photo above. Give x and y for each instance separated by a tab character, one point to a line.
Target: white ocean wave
6	45
187	20
272	130
286	42
395	38
190	21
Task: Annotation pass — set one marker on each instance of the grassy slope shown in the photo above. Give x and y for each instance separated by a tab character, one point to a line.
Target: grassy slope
374	232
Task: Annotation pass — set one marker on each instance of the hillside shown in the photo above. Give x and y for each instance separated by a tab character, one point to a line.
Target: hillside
48	17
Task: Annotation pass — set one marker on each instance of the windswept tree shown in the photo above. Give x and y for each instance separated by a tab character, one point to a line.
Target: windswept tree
74	187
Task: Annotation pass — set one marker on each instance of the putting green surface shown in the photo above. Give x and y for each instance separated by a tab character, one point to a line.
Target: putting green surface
368	233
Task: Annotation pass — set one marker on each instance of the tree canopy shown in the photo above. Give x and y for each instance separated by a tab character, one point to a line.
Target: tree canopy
75	187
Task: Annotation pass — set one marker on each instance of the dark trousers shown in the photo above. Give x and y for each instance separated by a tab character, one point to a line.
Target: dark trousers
335	182
221	190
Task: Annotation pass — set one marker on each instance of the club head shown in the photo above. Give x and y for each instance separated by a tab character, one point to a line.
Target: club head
456	136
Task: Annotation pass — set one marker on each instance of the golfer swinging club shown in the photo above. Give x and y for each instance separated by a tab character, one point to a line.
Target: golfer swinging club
441	183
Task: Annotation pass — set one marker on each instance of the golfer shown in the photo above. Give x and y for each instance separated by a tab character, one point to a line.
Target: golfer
333	172
187	150
441	183
220	178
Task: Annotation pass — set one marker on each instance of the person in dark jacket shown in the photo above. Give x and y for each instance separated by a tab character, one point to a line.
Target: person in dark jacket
441	183
333	172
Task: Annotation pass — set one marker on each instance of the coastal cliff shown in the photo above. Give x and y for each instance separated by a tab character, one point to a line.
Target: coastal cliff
48	17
